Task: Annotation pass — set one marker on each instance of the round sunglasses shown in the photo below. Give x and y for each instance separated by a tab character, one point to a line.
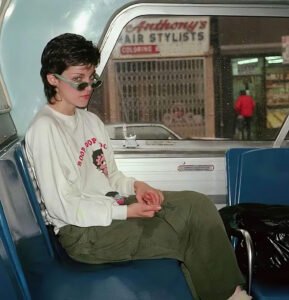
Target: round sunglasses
80	86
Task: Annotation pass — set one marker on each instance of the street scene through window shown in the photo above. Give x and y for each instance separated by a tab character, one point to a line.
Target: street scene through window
200	77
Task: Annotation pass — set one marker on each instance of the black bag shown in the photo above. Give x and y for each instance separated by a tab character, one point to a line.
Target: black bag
268	226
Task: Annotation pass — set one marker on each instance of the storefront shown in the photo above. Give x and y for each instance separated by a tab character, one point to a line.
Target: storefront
162	65
257	66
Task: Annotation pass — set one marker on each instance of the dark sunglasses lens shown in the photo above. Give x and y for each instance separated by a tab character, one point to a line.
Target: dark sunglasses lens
96	84
82	86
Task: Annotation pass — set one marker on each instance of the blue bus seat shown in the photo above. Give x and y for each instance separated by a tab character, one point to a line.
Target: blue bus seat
264	176
232	158
51	277
261	176
13	285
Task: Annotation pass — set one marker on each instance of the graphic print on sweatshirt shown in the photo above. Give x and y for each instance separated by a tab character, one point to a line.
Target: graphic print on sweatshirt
99	161
90	142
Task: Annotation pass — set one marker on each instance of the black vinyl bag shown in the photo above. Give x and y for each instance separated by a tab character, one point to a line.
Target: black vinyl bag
268	226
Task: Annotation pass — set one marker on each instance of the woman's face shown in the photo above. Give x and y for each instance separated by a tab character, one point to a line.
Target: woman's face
68	97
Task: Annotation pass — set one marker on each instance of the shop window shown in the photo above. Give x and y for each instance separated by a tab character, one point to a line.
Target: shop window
277	91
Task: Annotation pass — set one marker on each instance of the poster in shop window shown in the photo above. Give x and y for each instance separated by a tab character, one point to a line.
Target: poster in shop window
164	37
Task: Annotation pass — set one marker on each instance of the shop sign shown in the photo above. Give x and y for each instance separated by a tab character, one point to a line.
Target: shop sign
164	37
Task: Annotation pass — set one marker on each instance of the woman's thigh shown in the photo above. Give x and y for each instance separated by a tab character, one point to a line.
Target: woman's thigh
164	235
122	240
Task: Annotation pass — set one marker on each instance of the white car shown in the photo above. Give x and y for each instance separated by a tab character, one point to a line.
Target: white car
141	131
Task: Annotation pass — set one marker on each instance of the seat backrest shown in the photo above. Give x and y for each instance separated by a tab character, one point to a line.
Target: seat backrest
232	167
30	184
30	187
13	285
27	235
264	176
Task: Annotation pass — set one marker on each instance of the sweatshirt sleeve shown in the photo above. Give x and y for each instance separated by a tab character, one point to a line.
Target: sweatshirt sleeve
56	173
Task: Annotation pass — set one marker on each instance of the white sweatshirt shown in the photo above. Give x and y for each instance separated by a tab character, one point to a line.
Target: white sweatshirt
72	159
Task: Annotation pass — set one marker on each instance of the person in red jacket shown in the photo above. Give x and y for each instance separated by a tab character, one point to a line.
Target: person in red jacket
244	107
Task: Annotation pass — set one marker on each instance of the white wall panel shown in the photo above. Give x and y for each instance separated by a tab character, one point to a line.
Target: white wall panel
163	173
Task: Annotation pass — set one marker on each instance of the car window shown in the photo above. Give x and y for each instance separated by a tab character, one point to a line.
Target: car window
190	72
145	132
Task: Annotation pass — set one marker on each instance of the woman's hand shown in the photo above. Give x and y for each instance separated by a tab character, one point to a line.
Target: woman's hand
142	210
147	194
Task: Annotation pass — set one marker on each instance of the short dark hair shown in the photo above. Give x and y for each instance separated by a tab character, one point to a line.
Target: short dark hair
63	51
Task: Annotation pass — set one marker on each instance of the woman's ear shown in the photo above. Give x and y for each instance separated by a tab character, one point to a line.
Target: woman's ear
52	79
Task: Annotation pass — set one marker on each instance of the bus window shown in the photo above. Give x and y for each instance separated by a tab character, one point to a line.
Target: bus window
186	73
7	127
5	106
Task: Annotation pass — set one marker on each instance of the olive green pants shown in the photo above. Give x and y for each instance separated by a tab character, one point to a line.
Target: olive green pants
188	228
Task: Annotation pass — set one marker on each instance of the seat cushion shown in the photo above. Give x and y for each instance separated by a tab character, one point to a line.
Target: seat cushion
135	280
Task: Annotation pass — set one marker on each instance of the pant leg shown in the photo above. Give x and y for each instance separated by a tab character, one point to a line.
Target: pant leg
187	228
138	238
248	127
208	254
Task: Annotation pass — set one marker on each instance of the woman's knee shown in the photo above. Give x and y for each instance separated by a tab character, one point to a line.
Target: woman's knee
189	198
201	208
